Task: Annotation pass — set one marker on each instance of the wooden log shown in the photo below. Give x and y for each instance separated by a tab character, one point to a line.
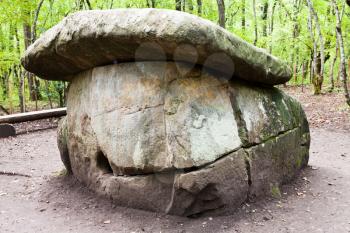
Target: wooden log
7	130
32	116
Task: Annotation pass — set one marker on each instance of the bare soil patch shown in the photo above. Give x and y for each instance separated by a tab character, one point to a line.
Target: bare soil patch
326	111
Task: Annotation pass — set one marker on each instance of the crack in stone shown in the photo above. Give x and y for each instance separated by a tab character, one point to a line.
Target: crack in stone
282	133
131	112
249	174
196	168
145	108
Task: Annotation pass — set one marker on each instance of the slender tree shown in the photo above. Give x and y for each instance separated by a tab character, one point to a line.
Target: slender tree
178	5
255	24
27	36
190	5
272	17
243	21
183	4
295	35
199	7
264	19
21	75
331	72
221	11
319	58
35	22
342	52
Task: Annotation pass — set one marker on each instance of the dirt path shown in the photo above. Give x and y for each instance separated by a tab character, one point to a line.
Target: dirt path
319	200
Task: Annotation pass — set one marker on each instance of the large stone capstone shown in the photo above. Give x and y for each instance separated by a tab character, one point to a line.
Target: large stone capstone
171	134
88	39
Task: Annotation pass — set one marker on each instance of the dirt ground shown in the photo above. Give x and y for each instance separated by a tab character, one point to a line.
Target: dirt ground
36	197
325	111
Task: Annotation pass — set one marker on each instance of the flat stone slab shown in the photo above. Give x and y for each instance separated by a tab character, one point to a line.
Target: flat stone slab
88	39
7	130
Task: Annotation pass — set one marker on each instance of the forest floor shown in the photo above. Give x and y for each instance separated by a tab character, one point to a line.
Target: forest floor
37	197
325	111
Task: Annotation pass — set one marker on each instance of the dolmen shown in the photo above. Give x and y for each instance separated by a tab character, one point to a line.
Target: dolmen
169	112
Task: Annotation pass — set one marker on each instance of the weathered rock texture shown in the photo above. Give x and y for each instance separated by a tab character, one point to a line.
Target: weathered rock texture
153	136
173	119
93	38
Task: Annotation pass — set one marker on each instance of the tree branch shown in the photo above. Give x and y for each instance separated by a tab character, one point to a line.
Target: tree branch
36	16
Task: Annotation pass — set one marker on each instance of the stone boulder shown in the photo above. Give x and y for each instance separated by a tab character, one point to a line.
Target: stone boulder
167	134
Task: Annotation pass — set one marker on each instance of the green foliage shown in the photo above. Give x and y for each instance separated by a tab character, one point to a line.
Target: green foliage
287	34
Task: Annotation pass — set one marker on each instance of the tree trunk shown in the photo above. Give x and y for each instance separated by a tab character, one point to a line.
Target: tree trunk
27	41
4	110
255	24
272	24
65	93
8	83
111	4
27	33
5	89
21	90
243	15
21	76
221	12
80	4
88	4
331	72
319	58
48	93
342	53
264	17
18	73
190	5
183	3
35	22
10	94
61	99
199	7
304	72
178	5
311	70
60	87
317	80
295	31
302	77
295	73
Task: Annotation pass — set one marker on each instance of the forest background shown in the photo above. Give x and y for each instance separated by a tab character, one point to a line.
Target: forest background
312	36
